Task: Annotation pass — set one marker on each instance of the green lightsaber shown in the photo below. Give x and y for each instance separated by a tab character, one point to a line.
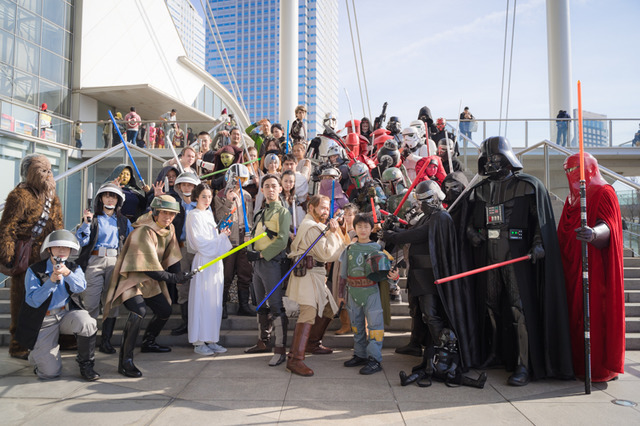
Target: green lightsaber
224	170
229	253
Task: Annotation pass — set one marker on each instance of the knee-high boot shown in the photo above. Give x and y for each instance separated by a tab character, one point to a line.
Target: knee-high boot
295	361
314	345
520	376
264	330
86	357
108	325
129	337
280	325
153	330
345	323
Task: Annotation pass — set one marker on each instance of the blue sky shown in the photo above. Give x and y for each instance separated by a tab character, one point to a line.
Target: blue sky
434	53
439	52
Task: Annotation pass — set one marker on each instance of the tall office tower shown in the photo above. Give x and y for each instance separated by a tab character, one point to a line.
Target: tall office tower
190	26
250	35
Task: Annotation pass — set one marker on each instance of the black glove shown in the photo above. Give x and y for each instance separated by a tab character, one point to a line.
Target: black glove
387	236
475	237
389	222
171	277
253	256
537	252
270	233
586	234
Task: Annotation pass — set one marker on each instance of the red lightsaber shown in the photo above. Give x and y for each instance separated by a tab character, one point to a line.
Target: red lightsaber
386	213
585	257
373	210
413	185
484	268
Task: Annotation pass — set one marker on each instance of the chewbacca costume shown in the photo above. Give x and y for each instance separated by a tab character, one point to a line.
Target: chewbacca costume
23	209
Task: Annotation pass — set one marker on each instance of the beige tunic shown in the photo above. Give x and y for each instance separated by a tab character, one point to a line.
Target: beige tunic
312	289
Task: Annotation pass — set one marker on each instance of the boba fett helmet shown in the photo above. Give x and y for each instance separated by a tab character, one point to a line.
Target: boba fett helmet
377	266
359	174
60	238
393	180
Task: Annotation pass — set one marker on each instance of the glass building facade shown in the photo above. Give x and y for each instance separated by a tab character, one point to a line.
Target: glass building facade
190	26
250	33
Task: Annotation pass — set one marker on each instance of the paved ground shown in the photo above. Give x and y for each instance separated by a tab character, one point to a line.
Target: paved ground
235	388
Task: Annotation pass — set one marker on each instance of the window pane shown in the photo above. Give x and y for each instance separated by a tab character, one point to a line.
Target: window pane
29	26
7	15
27	56
6	47
51	94
53	38
65	106
6	80
52	67
32	5
54	10
25	88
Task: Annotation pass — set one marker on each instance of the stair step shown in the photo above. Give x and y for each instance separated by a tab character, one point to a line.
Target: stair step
632	325
632	309
632	296
631	262
632	341
632	283
632	272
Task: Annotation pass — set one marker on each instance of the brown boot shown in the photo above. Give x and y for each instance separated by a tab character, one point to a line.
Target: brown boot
314	346
295	359
264	330
344	322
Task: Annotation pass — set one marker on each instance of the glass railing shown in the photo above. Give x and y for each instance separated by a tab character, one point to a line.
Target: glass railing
521	132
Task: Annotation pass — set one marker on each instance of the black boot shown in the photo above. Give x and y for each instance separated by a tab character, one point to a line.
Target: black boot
86	357
153	330
105	340
413	377
475	383
280	327
244	309
520	376
225	315
129	337
184	327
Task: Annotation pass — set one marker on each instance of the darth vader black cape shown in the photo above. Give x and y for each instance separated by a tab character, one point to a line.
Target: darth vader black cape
541	287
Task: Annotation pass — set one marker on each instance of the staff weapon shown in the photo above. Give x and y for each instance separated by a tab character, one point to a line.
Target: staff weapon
324	231
126	148
585	255
484	268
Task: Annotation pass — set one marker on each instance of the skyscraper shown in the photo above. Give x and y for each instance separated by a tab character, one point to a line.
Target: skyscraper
250	34
190	26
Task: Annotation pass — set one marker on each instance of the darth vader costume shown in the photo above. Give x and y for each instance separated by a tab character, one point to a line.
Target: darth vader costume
522	306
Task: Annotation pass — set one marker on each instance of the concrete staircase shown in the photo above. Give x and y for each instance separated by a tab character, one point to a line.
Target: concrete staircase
237	331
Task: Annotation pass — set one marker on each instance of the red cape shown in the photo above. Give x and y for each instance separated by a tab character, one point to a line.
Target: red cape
606	285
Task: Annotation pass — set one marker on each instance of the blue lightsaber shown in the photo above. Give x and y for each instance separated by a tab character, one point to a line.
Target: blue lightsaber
333	198
126	147
286	147
244	208
297	261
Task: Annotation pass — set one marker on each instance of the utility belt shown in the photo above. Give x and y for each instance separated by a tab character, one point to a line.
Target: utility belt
307	263
105	252
55	311
510	234
360	282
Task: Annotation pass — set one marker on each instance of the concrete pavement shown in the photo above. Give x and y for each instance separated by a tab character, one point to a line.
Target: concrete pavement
236	388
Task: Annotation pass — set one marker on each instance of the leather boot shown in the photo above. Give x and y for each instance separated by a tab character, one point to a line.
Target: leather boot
314	345
418	333
129	337
413	377
295	359
86	357
184	327
475	383
153	330
105	340
264	330
280	325
244	309
344	322
520	376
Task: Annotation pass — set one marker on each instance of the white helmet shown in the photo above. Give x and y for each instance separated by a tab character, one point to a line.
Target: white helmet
410	137
188	177
60	238
237	171
422	131
334	149
332	172
330	120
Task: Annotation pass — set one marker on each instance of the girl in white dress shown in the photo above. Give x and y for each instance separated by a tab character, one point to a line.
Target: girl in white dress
205	294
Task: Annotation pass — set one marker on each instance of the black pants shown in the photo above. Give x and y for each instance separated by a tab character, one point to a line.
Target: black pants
158	305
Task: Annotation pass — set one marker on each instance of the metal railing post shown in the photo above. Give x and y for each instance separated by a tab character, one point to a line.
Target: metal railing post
484	130
546	166
610	133
526	133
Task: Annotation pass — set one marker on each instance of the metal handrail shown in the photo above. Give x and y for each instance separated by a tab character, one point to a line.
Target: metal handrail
547	144
97	158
